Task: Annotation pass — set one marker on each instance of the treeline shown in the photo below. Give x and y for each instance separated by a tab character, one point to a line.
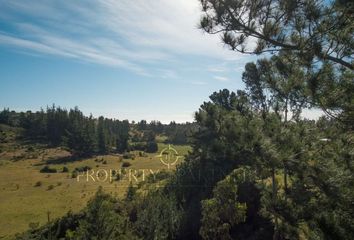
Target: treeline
176	133
82	135
85	136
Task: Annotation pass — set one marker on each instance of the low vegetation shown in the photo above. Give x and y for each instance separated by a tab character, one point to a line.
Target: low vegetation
47	169
27	195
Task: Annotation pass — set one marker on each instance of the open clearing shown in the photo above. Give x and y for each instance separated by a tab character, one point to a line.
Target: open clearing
27	195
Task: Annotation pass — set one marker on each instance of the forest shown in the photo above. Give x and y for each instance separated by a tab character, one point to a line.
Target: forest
86	136
279	175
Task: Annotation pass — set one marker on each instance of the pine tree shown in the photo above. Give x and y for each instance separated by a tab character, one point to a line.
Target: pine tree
101	136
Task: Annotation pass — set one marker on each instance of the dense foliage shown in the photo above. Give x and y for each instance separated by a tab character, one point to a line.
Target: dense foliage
251	175
85	136
319	35
82	135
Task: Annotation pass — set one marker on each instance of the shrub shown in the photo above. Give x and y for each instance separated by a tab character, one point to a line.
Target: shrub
65	169
121	174
141	146
126	164
82	168
104	220
19	157
50	187
47	169
38	184
142	154
30	149
128	155
33	225
74	174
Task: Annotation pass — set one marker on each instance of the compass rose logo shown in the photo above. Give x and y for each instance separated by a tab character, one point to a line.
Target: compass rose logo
168	156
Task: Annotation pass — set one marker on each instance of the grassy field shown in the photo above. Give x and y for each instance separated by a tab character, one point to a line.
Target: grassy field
27	195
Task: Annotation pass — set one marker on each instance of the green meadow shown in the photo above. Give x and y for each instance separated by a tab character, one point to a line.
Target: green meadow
29	196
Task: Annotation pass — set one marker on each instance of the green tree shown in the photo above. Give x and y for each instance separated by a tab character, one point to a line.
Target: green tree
222	211
319	34
151	147
313	29
159	217
122	136
103	220
101	136
80	136
5	116
56	124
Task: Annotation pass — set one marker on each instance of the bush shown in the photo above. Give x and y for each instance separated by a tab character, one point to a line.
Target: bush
33	225
74	174
151	147
30	149
126	164
65	169
104	220
142	154
50	187
128	156
47	169
38	184
82	168
19	157
141	146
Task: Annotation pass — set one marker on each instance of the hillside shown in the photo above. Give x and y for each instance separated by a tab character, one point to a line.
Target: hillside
27	195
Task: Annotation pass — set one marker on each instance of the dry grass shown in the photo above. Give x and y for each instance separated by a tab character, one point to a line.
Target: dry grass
22	202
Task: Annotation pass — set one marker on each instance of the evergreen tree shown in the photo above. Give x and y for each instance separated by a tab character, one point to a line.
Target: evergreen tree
318	34
122	131
80	136
103	220
5	116
101	136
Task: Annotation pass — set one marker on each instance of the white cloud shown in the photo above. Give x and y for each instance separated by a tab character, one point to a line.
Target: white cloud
217	69
167	73
125	33
27	44
221	79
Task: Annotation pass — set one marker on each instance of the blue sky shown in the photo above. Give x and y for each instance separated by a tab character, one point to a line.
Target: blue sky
118	58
